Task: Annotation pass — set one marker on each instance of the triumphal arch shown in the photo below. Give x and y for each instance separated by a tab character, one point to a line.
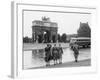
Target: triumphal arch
44	30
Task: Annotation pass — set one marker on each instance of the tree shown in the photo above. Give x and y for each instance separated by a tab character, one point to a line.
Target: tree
64	38
26	40
84	30
59	38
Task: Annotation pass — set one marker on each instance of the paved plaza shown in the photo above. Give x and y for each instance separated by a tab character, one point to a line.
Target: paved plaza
35	59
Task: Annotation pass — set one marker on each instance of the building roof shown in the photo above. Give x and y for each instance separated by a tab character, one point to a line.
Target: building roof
44	23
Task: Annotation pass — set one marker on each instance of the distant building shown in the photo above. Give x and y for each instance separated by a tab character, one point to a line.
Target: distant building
84	30
44	30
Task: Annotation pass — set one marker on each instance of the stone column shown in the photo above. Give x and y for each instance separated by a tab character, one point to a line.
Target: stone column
33	33
42	36
36	36
51	33
56	36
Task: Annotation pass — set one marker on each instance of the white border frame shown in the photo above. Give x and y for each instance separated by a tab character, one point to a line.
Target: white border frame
16	67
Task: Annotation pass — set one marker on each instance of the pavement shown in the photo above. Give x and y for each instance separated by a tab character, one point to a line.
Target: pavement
34	62
81	63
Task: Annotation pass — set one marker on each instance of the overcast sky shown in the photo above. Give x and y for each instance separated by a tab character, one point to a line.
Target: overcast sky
67	22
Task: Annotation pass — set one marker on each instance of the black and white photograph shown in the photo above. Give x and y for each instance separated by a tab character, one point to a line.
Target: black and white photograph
56	39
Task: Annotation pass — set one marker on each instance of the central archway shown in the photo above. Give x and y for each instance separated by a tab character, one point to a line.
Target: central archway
46	36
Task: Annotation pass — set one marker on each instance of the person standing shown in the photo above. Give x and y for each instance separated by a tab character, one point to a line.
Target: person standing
60	52
55	54
47	54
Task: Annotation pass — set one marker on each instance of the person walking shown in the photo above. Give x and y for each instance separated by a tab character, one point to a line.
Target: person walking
76	52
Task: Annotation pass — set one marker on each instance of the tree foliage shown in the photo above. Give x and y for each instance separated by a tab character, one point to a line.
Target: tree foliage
27	40
59	38
64	38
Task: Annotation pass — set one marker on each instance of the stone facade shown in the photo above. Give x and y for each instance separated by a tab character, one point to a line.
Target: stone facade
44	30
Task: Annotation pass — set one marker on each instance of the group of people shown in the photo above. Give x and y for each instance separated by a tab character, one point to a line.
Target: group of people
53	53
